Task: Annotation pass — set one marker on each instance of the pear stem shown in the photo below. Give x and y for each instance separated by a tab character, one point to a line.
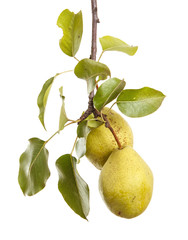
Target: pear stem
107	124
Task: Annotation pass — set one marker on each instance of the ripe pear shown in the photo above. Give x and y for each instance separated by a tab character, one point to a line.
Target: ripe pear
126	183
101	142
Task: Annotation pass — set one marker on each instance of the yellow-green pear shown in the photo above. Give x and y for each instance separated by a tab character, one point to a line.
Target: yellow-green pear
101	142
126	183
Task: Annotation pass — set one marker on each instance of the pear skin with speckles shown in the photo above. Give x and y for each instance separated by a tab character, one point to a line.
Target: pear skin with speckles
101	142
126	183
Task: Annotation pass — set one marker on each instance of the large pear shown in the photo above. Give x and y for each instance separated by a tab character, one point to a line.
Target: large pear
126	183
101	142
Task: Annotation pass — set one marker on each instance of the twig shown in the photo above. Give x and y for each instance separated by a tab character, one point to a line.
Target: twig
93	55
95	20
91	109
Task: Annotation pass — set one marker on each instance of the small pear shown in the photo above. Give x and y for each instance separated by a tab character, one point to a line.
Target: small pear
101	142
126	183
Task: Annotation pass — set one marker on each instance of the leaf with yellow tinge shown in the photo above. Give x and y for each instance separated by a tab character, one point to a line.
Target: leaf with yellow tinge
88	70
72	26
109	43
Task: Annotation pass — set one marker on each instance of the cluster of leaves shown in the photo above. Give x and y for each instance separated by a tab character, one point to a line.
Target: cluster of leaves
34	171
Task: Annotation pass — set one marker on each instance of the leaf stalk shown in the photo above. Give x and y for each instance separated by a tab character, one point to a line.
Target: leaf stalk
100	56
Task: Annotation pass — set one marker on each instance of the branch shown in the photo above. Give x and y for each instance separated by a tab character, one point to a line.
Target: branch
90	109
95	20
93	55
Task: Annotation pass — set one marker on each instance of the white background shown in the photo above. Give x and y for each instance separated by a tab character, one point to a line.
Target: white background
30	54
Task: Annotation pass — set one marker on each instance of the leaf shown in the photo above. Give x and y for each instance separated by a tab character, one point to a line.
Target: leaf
80	147
139	102
42	99
33	170
91	83
94	123
82	129
107	92
88	70
73	188
82	132
109	43
72	26
63	117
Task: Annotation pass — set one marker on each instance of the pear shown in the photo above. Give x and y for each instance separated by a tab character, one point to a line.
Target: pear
101	142
126	183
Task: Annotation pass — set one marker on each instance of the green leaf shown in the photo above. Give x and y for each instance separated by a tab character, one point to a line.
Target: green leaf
72	26
139	102
73	188
33	170
82	129
82	132
91	83
88	70
107	92
63	117
80	147
42	99
109	43
93	123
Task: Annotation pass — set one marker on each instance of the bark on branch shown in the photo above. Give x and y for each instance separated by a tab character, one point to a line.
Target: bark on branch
91	109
